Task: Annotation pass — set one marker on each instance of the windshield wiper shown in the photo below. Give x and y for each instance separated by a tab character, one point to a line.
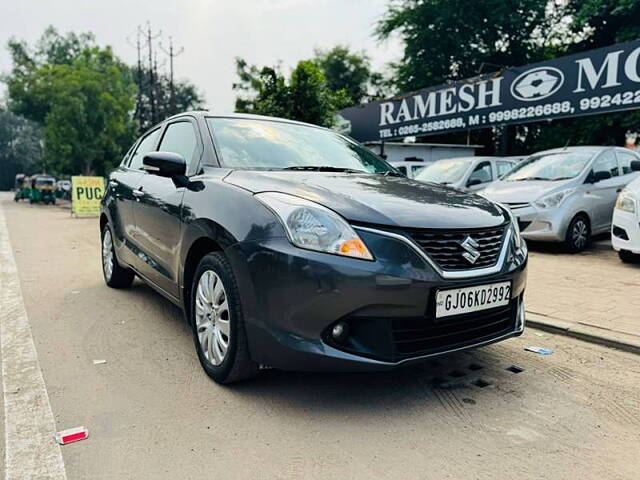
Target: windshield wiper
322	168
391	173
530	178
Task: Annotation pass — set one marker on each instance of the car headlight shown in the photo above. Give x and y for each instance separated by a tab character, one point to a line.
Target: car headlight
626	201
553	199
314	227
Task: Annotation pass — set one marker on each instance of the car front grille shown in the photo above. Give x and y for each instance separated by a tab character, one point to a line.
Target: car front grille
416	336
444	247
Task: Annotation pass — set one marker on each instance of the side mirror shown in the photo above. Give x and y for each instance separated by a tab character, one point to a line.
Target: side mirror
601	175
635	166
473	182
165	164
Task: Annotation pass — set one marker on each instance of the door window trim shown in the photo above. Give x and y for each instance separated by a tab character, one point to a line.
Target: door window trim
137	144
194	166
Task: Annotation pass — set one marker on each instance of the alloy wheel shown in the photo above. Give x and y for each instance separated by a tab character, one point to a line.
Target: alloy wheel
107	254
580	234
212	317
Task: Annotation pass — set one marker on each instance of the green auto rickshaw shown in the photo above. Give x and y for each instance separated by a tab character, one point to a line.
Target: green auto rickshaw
22	187
43	189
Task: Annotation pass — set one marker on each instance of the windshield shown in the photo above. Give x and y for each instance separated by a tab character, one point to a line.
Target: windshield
551	166
445	171
273	145
44	181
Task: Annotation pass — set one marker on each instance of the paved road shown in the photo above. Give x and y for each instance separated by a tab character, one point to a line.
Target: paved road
153	413
591	288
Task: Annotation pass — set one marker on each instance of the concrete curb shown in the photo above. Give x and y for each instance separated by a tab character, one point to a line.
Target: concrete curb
601	336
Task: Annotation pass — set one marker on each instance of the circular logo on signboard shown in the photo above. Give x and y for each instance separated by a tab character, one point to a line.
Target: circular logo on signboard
537	83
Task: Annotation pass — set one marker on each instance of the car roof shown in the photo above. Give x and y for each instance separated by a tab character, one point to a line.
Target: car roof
580	149
245	116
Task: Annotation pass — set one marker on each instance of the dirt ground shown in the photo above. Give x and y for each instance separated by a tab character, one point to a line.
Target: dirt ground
152	412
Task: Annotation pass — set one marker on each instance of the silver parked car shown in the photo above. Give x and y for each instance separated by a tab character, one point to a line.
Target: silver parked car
566	195
466	173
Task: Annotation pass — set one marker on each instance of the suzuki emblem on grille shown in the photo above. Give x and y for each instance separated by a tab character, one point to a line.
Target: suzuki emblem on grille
470	245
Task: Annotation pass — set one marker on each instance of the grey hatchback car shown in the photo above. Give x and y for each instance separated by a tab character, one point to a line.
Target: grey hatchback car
566	195
291	246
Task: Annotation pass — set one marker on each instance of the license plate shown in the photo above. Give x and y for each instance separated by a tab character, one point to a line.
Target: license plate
472	299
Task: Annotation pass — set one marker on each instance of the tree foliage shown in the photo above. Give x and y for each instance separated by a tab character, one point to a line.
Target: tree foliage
20	148
345	70
82	94
305	96
454	39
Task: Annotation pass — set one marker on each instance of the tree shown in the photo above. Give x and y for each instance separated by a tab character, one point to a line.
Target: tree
20	148
305	97
351	72
82	94
187	98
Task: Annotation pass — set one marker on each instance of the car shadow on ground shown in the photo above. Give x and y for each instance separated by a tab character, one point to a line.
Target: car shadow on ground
452	382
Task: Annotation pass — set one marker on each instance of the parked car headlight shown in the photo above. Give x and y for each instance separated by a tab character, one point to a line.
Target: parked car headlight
553	199
626	201
315	227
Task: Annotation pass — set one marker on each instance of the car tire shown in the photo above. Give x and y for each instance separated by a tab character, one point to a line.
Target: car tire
628	257
115	276
578	236
217	320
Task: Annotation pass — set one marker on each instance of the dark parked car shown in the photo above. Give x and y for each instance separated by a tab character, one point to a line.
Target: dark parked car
291	246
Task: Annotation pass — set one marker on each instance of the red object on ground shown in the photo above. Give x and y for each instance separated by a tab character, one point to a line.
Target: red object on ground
72	435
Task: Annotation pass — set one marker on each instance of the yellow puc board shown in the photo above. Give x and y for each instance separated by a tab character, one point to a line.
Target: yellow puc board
86	194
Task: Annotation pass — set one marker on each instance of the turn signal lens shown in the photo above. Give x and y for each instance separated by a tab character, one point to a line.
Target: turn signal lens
355	248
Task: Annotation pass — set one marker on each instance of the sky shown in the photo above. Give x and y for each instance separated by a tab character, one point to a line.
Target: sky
212	33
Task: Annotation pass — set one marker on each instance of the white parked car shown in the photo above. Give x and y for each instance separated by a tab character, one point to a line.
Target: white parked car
411	167
625	226
466	173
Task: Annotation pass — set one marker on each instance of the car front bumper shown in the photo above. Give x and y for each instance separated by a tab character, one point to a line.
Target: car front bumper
542	225
630	223
292	298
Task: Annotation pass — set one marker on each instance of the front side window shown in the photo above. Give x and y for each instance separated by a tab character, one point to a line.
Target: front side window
481	174
180	138
550	166
606	162
147	145
274	145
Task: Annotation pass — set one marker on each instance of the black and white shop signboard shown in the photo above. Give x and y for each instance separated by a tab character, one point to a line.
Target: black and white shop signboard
597	81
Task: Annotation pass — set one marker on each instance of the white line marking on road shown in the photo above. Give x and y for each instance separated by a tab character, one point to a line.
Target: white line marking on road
30	447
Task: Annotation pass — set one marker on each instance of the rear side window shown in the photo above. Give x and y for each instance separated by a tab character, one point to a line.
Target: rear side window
625	160
180	138
606	162
147	145
503	167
